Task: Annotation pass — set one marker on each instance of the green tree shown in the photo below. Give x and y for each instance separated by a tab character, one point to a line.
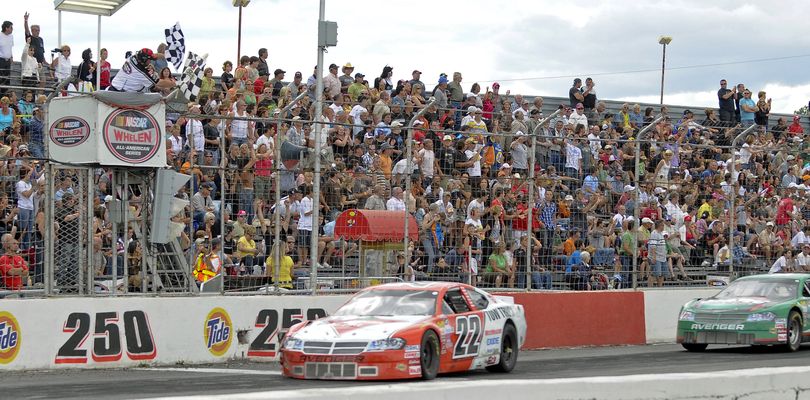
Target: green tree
802	111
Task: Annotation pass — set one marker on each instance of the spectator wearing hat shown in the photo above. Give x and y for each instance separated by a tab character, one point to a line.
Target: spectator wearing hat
277	83
358	87
440	93
519	152
456	96
795	127
296	87
331	82
657	253
475	126
578	117
346	79
416	77
202	202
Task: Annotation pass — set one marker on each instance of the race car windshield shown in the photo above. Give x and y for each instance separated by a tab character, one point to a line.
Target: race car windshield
772	290
390	302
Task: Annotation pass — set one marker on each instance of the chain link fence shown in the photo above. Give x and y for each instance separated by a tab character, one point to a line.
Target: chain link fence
71	245
506	202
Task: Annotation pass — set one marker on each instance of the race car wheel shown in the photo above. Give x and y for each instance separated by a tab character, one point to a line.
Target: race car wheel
429	357
509	350
794	331
694	347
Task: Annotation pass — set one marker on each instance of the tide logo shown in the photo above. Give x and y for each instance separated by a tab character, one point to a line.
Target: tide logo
218	332
10	337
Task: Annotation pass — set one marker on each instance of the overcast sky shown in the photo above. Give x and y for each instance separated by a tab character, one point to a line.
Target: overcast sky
530	47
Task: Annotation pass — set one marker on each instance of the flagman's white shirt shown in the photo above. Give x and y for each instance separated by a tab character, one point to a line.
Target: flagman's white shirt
130	78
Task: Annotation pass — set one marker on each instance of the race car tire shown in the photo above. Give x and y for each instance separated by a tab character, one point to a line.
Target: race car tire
509	350
794	340
429	356
695	347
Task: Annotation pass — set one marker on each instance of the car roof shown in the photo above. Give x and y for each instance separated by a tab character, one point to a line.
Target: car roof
422	285
776	277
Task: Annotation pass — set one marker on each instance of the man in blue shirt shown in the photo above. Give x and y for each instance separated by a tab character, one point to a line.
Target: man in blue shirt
747	109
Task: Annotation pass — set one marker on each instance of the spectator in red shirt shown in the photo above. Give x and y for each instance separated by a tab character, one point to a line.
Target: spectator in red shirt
795	128
104	69
12	265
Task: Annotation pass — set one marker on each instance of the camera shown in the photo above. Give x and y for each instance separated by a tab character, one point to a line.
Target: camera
57	50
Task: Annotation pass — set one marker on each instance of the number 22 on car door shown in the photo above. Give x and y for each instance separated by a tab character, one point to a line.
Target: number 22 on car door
468	331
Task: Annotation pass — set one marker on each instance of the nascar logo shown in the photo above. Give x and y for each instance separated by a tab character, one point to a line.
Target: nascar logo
218	332
725	327
10	337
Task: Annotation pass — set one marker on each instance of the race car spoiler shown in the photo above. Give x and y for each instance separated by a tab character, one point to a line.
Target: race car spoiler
505	299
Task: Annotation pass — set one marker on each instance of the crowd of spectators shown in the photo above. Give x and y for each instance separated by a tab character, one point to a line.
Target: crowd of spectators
469	178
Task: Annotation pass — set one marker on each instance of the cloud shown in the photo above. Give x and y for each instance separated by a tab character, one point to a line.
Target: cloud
786	99
485	40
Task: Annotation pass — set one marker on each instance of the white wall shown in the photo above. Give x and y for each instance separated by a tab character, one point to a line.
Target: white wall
661	309
177	326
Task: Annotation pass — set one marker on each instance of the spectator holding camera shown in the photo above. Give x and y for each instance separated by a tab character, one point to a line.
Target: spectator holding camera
62	69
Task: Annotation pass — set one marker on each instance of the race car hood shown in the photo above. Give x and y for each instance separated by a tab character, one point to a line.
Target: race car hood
356	328
739	304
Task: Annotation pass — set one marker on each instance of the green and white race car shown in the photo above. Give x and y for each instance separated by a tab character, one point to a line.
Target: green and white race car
754	310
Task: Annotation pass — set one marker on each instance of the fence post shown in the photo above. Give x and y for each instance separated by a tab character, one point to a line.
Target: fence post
637	152
530	204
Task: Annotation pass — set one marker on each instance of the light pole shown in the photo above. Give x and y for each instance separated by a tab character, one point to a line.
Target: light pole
663	41
327	37
241	4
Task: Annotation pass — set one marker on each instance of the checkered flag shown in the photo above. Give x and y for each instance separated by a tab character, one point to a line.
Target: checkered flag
193	73
176	42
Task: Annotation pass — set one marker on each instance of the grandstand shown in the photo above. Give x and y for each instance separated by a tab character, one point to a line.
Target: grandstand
236	188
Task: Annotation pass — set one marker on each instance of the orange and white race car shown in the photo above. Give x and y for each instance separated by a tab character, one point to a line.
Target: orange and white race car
407	330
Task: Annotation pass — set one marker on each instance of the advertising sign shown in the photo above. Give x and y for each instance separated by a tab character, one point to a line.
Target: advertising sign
124	129
132	136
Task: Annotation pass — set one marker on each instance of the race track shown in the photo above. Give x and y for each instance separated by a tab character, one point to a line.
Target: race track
242	377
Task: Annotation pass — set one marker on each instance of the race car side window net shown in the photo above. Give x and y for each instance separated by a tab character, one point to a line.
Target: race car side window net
806	290
479	301
456	301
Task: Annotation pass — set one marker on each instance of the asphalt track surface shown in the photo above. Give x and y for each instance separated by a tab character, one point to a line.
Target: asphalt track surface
242	377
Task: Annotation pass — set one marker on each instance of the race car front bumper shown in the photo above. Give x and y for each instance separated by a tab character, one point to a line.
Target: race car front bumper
381	365
763	333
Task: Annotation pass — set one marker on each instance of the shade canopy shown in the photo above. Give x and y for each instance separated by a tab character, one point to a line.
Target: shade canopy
375	226
93	7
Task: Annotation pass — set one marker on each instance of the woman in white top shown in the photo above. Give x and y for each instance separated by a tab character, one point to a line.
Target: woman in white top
662	170
30	67
783	264
240	130
747	151
62	69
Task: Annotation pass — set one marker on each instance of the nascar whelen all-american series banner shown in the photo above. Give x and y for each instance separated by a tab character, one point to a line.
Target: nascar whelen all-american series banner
108	128
104	333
